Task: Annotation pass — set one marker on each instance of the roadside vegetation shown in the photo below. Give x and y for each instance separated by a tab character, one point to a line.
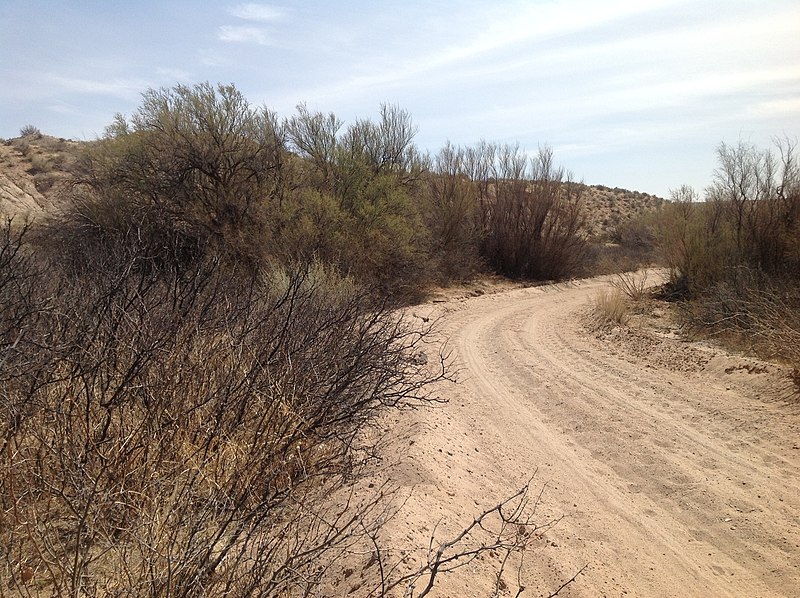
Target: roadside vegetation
734	258
197	345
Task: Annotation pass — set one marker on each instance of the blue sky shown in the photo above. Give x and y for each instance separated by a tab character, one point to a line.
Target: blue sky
633	94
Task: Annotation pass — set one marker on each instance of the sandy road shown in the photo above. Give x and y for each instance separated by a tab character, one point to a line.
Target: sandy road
676	467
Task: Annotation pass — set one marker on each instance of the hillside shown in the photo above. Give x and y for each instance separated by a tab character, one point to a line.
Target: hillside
606	208
31	170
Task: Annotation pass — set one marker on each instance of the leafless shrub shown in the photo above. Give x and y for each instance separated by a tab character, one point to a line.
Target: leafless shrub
522	214
757	314
632	284
451	214
532	225
30	131
506	529
179	433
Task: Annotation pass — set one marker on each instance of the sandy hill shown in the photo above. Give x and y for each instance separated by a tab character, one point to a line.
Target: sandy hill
32	169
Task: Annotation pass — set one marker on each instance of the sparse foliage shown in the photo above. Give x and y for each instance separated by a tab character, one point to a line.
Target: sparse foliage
30	131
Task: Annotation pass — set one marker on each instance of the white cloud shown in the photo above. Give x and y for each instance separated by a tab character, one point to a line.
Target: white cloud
119	87
776	108
256	12
247	35
173	74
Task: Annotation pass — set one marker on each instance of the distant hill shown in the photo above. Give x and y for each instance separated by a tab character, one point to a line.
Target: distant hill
606	207
33	169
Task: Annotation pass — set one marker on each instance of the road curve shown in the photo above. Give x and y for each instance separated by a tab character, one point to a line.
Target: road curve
676	467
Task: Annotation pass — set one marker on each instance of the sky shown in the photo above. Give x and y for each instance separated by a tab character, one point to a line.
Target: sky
628	93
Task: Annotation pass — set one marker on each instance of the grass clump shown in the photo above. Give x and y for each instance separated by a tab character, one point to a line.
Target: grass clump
611	307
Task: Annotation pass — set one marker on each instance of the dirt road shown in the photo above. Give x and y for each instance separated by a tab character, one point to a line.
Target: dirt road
676	467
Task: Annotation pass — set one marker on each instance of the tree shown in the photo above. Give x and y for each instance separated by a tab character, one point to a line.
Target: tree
195	169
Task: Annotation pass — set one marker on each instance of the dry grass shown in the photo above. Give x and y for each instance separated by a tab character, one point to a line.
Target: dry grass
611	307
763	320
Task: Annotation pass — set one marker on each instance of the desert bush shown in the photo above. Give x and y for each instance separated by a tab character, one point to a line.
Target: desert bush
30	131
754	311
637	233
94	231
532	225
737	255
451	208
186	432
354	204
632	245
200	161
751	218
39	164
610	258
521	214
22	145
197	171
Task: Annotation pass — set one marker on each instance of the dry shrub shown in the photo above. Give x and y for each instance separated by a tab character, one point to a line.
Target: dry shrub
179	433
30	131
532	225
756	313
198	431
736	257
632	284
